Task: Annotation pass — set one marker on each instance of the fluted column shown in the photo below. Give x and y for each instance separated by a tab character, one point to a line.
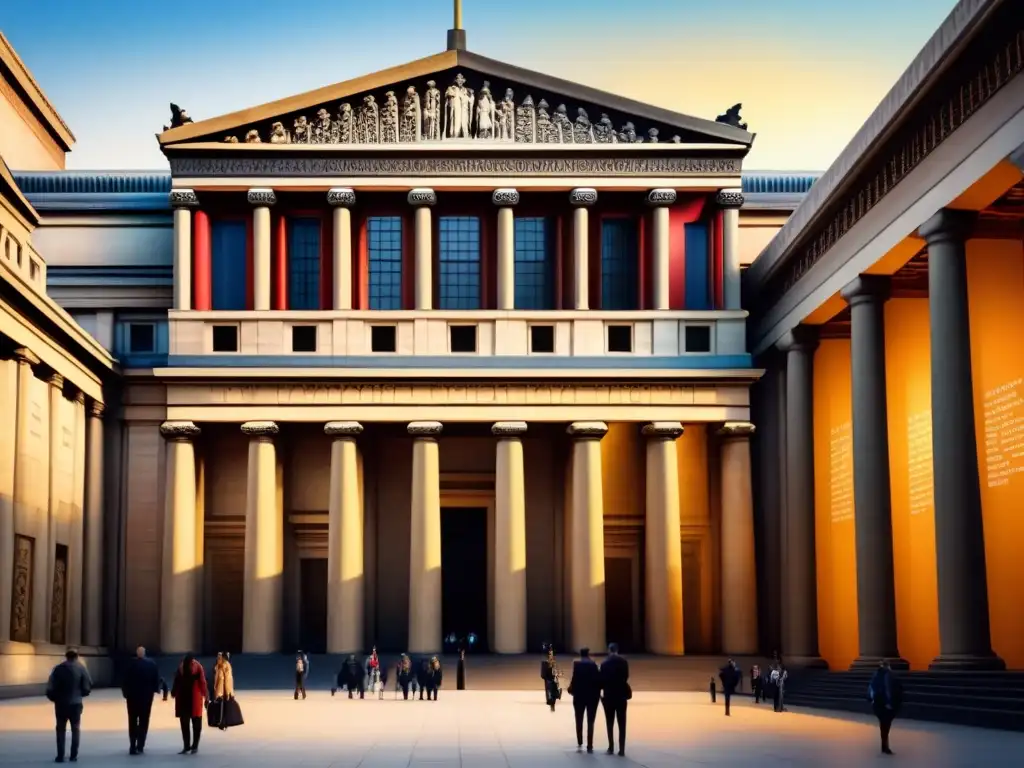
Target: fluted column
342	200
587	527
182	201
739	565
346	578
76	528
730	200
664	560
509	539
800	593
8	405
964	636
264	544
178	604
46	538
422	200
425	540
506	200
660	200
92	604
261	200
581	199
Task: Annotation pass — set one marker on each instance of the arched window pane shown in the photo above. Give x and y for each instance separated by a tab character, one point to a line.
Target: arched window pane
304	264
618	264
384	253
534	263
459	259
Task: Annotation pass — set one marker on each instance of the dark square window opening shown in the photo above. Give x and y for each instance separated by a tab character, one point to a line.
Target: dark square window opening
620	338
698	338
225	338
303	338
383	338
141	338
463	338
542	338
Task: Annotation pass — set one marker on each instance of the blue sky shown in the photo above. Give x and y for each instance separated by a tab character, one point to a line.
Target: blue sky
807	71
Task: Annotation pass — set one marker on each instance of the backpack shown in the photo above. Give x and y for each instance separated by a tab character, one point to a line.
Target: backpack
63	683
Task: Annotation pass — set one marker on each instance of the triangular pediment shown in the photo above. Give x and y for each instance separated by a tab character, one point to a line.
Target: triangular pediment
455	96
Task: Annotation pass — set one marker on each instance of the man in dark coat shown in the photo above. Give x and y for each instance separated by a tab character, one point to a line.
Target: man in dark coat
352	677
615	684
434	675
69	683
730	677
886	695
423	676
585	689
405	675
141	682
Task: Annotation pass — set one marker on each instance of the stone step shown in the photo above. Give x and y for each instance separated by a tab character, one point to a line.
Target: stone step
980	716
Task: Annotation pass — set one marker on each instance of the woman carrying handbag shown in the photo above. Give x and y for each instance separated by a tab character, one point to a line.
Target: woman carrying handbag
223	712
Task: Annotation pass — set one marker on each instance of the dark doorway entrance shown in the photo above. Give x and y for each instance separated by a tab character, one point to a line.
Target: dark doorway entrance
618	602
464	573
313	605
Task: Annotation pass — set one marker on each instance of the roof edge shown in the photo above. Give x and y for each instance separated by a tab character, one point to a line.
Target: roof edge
24	80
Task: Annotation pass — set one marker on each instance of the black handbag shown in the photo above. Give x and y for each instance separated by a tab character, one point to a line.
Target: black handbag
224	713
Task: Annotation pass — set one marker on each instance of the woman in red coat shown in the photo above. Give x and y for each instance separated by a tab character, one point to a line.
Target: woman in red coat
190	694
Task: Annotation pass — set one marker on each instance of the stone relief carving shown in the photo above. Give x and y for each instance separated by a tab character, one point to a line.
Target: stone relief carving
58	602
21	595
261	197
505	197
583	196
459	113
661	197
422	196
183	198
341	196
727	198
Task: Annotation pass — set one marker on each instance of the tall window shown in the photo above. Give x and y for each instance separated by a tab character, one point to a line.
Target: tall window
303	263
698	262
459	259
384	253
619	264
535	263
228	273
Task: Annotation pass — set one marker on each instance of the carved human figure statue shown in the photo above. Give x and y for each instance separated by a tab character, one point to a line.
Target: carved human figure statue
486	113
368	121
547	131
345	120
253	137
563	125
583	130
300	132
278	135
432	113
389	119
507	116
526	121
322	127
409	125
458	109
604	131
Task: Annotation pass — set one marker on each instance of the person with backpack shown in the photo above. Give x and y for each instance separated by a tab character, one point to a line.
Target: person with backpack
886	695
69	683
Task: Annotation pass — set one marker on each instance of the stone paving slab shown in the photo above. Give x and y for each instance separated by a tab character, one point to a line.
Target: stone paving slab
480	729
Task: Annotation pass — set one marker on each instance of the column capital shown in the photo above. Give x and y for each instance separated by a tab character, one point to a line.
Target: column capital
505	197
425	428
587	430
343	428
261	197
341	196
25	355
260	428
864	288
183	198
97	410
740	429
668	430
660	197
53	378
78	396
947	224
179	430
729	198
583	196
509	428
802	338
422	196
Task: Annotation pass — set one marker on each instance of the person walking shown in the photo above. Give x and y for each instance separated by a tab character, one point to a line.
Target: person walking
755	683
404	676
372	670
223	693
617	693
585	689
713	689
190	693
68	684
301	673
730	677
886	695
434	678
549	673
141	682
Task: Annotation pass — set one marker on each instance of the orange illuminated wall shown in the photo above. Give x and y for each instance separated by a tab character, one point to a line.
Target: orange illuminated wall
836	549
909	402
995	271
623	470
692	460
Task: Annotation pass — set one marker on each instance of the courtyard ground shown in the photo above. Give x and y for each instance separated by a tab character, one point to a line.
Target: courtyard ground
494	729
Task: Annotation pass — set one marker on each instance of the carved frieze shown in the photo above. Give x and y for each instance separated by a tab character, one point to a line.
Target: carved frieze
342	196
58	599
183	198
21	593
505	197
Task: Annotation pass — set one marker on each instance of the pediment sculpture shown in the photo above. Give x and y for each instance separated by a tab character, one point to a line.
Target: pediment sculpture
458	113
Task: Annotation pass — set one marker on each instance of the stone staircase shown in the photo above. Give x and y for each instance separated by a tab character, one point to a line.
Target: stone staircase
984	699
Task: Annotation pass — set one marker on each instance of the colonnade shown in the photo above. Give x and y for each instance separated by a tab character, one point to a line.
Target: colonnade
964	635
189	283
264	540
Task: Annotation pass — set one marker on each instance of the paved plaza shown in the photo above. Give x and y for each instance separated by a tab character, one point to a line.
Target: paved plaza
488	729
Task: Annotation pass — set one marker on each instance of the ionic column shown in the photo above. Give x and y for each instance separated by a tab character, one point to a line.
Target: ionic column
346	577
92	604
587	546
182	201
425	540
46	530
580	199
178	593
964	637
76	534
739	567
730	200
664	560
342	200
509	539
264	544
660	200
261	200
422	200
800	593
506	199
876	589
